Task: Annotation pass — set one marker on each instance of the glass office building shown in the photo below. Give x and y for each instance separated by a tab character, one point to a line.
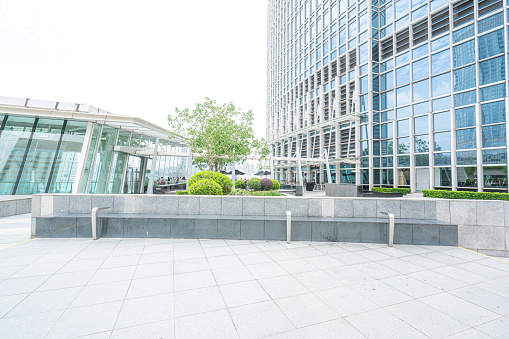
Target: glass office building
408	93
56	147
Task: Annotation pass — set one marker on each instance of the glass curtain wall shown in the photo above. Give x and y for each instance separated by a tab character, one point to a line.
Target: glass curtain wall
39	155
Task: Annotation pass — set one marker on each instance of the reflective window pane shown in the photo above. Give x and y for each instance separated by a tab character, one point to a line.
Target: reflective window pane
493	136
466	158
421	143
441	85
421	90
442	141
66	164
465	138
421	125
493	113
442	121
13	143
440	62
467	176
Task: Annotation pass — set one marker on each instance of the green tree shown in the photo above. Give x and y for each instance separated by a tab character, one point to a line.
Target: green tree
220	134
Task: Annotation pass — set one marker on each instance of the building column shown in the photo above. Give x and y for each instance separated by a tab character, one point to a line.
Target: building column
150	188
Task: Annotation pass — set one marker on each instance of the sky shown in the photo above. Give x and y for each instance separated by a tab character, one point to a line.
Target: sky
138	58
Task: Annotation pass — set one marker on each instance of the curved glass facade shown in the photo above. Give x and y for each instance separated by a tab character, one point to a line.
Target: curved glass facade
44	154
429	77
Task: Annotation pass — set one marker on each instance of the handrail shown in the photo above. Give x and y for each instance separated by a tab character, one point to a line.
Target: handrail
94	221
390	228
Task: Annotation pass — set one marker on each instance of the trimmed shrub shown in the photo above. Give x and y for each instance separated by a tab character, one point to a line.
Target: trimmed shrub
254	184
239	183
465	195
205	187
266	184
271	193
182	192
222	180
275	184
392	190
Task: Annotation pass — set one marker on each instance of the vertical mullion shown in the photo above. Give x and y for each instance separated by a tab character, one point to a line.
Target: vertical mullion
2	125
56	156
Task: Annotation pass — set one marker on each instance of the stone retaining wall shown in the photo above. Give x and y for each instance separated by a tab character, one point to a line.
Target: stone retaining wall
483	224
15	206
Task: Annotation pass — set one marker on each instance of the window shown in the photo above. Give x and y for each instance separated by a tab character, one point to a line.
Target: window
421	90
441	85
387	81
442	141
464	53
465	138
403	128
404	145
464	33
440	62
491	44
403	75
493	136
494	156
421	144
492	70
492	92
465	117
463	99
493	112
420	51
464	78
421	125
441	121
420	69
403	96
466	158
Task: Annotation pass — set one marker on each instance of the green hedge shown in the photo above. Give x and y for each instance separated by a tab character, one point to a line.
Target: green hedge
392	190
271	193
465	195
239	183
254	184
222	180
275	184
205	187
182	192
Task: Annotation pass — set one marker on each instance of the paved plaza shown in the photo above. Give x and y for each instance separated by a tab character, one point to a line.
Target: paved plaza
175	288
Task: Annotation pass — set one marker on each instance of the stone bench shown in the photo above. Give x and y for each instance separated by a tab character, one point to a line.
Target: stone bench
331	229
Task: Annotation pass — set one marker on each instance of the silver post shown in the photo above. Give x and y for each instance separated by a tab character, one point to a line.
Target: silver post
189	166
288	227
95	210
390	228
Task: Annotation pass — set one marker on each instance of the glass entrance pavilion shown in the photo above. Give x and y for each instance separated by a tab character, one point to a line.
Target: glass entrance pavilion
57	147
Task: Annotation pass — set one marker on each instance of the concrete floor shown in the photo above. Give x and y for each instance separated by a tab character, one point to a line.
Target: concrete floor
176	288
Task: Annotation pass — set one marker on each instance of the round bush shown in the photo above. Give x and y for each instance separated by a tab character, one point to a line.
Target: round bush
254	184
275	184
222	180
205	187
239	183
266	184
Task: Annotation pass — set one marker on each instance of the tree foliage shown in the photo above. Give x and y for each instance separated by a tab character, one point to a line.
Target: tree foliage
220	134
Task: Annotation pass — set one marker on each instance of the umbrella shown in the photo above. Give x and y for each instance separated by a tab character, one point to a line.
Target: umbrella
224	172
263	173
237	172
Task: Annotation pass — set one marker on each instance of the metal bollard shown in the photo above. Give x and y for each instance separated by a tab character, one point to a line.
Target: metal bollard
390	230
288	226
94	221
